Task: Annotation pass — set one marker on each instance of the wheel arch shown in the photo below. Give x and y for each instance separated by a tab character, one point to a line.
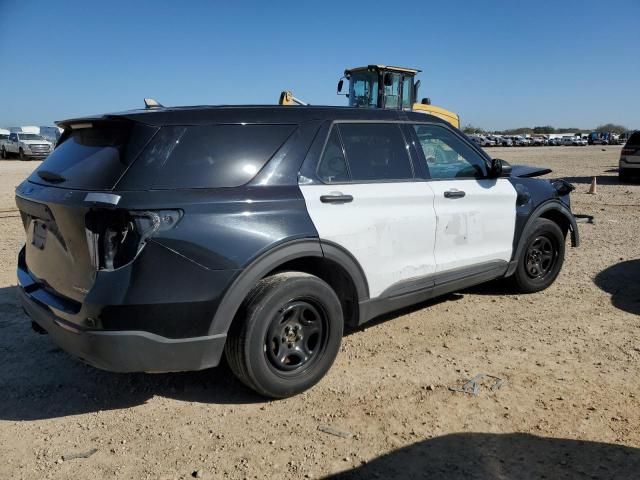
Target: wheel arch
325	260
553	210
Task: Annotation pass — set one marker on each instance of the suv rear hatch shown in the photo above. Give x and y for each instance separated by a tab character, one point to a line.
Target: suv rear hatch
65	244
631	150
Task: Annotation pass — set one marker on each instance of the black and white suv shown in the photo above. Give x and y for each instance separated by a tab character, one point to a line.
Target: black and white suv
629	164
159	240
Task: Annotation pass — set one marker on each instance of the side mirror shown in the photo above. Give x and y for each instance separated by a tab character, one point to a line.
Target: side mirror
340	83
426	101
500	168
416	86
388	80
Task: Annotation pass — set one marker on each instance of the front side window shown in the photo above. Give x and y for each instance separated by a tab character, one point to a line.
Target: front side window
447	155
375	152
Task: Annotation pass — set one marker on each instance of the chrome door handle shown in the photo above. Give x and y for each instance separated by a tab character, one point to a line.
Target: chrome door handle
336	198
454	194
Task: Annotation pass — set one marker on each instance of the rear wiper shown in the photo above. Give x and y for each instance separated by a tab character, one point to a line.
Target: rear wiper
50	176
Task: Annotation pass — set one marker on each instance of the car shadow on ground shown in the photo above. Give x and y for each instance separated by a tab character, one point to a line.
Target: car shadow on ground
622	281
38	380
508	456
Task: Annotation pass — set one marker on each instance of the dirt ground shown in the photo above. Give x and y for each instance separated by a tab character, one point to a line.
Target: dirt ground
570	356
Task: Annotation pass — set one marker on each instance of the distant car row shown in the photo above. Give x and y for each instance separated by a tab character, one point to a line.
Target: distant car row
594	138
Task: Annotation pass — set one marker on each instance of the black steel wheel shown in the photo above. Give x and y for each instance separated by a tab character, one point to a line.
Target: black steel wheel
296	336
541	258
286	335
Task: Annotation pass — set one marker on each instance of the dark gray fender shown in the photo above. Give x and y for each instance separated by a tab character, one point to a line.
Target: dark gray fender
528	227
279	255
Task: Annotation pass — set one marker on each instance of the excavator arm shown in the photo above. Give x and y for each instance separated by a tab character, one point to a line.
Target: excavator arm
287	98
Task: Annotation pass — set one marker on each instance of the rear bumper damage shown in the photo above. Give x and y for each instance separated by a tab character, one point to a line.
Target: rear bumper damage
125	351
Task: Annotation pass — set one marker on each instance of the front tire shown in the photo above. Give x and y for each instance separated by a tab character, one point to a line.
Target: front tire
542	257
21	155
3	153
287	334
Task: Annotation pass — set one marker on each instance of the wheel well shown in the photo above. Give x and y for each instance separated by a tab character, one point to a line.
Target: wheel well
332	273
559	218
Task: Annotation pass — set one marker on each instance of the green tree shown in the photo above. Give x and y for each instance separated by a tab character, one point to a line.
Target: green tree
612	127
545	129
470	129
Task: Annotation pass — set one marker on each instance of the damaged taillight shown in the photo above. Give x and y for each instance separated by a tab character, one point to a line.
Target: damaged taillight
115	237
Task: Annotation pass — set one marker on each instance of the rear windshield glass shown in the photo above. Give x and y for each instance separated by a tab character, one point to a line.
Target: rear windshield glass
93	158
206	156
634	139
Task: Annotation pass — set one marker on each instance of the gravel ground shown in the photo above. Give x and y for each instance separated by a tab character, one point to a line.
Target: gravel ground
570	356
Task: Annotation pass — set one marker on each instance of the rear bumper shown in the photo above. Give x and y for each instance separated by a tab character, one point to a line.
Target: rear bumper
126	351
625	164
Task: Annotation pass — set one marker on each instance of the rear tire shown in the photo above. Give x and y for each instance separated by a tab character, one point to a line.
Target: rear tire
623	175
542	257
3	153
286	335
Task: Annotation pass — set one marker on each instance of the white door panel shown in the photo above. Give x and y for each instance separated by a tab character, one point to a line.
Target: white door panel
388	227
476	228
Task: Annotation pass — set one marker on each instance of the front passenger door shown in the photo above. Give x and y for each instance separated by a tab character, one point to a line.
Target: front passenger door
475	214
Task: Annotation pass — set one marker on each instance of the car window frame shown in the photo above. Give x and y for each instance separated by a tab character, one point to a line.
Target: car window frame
470	143
335	123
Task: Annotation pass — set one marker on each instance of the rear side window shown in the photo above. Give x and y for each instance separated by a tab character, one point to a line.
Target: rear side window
375	151
333	166
209	156
94	158
634	139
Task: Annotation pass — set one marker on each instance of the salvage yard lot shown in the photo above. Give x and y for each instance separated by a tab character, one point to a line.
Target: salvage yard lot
570	356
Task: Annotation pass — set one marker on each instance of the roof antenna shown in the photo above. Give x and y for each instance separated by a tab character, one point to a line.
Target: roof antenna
150	103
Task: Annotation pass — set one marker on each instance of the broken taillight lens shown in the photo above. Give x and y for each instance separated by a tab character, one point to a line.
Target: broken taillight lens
115	237
628	151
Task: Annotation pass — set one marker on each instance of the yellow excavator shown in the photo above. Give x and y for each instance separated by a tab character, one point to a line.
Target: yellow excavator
382	86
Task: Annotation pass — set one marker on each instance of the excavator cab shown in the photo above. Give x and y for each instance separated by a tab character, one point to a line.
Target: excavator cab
379	86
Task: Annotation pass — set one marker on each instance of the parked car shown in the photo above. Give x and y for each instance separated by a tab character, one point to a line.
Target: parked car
579	142
4	137
25	146
538	141
506	142
160	240
629	163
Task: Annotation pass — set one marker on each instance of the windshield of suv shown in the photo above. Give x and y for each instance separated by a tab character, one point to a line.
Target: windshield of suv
29	136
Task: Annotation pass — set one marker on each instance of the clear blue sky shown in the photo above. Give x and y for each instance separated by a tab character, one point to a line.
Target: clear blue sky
498	64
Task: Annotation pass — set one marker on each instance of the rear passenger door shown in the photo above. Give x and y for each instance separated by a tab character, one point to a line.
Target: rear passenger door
476	214
371	204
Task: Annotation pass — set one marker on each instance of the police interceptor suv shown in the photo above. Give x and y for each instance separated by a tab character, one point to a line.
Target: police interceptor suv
161	239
